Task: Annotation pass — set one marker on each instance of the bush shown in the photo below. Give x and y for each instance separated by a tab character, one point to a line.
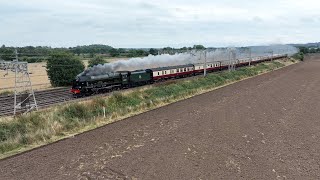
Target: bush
299	56
62	68
33	59
96	60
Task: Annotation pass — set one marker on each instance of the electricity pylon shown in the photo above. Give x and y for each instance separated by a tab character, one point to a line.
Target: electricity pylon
24	98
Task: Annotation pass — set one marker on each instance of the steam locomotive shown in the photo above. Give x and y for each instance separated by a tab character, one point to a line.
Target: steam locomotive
85	85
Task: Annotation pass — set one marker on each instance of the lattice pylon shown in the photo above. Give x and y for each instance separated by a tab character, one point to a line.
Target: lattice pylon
24	98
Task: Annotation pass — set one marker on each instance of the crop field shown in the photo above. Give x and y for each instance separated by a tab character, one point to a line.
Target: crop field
38	75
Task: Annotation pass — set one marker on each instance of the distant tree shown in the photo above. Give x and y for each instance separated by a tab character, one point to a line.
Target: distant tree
132	53
91	54
141	52
96	60
168	50
137	53
6	53
198	47
62	68
121	50
304	50
153	51
77	51
32	59
94	49
114	52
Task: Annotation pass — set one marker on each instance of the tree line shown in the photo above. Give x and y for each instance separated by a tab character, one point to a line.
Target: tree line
305	50
33	54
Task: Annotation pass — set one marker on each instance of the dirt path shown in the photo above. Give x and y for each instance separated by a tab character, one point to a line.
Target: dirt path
267	127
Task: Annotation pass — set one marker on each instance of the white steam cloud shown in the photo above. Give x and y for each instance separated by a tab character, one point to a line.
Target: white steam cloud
164	60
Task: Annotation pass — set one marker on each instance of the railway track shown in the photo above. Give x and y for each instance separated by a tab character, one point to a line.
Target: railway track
44	99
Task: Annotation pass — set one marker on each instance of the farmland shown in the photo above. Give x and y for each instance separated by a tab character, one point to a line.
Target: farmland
260	128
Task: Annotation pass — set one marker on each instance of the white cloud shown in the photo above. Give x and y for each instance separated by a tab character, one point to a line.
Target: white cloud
139	23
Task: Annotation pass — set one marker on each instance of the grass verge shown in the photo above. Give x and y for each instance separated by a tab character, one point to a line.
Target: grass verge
6	93
42	127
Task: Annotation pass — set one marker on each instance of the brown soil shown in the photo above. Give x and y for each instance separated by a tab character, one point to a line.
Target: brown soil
266	127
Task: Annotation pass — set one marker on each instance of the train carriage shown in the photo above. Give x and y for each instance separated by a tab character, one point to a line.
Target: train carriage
211	66
224	65
172	72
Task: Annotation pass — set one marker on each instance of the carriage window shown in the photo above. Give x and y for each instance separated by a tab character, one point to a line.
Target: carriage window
158	73
185	69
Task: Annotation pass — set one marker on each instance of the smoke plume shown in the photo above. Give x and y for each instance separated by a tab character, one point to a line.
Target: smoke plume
192	57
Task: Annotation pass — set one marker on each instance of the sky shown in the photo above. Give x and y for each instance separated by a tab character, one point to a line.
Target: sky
158	23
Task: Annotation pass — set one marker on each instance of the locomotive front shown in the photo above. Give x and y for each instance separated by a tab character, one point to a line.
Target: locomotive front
77	85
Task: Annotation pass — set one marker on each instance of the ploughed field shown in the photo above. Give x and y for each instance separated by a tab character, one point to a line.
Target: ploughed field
266	127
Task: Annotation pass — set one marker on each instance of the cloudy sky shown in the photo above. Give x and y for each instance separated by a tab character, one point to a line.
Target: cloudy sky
155	23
